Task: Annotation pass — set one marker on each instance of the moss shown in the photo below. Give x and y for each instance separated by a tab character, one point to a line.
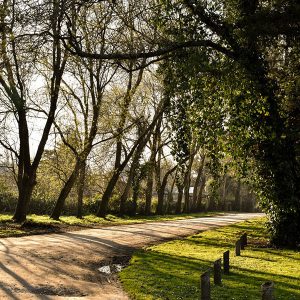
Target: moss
172	270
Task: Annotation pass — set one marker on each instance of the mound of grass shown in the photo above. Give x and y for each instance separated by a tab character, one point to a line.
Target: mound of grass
37	224
172	270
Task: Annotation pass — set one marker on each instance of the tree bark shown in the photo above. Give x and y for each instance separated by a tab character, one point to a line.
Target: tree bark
25	192
187	183
134	166
150	178
197	183
57	210
161	191
179	198
80	190
170	195
237	196
102	210
200	194
124	196
149	188
224	192
135	196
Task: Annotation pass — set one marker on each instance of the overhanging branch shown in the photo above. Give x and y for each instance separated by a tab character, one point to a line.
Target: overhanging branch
74	48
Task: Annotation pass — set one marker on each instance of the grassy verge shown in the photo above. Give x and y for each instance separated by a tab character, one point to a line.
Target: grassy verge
172	270
38	224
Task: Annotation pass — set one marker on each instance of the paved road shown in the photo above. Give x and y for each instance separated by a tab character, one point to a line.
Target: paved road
64	266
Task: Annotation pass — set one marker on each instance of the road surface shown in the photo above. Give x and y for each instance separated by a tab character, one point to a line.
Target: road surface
65	266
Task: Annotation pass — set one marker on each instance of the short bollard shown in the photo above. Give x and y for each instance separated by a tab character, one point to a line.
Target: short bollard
238	248
205	286
243	241
267	290
217	272
226	262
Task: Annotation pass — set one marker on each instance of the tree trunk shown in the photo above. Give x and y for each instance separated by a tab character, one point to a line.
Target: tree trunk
124	196
150	179
135	195
153	167
57	210
25	191
170	195
197	183
170	199
80	191
179	199
237	196
224	192
200	194
187	183
186	207
133	168
102	210
26	173
149	191
161	197
161	191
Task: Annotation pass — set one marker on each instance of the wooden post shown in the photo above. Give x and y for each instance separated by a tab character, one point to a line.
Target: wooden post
267	290
226	262
238	248
205	286
217	272
244	241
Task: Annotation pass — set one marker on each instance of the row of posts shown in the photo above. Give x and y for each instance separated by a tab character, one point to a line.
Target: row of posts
267	288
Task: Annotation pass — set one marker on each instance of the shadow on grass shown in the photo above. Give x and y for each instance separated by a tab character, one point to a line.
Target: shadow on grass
162	276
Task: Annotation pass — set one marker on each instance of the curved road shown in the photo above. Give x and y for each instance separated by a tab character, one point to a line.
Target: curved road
65	266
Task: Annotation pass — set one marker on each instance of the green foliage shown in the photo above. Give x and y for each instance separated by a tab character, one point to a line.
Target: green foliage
242	103
8	193
172	270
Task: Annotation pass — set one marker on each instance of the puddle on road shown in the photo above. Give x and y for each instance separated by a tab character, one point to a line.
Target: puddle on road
111	269
113	266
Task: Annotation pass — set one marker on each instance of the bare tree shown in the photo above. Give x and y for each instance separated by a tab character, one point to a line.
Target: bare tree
84	102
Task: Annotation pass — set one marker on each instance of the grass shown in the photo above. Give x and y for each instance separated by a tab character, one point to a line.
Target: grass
172	270
38	224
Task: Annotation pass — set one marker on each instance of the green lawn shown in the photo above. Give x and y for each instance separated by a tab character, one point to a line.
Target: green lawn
172	270
37	224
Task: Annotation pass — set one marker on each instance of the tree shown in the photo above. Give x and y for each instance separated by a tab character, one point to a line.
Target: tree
84	102
142	139
199	185
255	105
147	101
15	76
134	176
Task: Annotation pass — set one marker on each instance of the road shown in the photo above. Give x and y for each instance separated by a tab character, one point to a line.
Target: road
65	266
